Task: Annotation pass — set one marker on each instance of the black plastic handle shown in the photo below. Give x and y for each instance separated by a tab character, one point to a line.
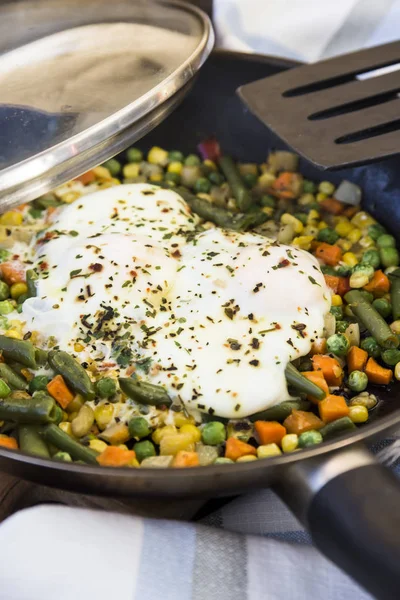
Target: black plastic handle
355	521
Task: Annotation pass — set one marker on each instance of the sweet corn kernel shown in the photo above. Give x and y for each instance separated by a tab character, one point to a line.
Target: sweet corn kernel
123	446
76	404
354	235
210	164
337	300
363	220
320	197
322	225
366	242
11	218
115	181
175	167
193	431
102	173
306	199
98	445
311	230
159	433
66	428
133	463
131	170
303	241
267	210
313	215
358	280
326	187
397	371
156	177
358	413
157	156
103	414
266	180
268	450
78	347
344	228
172	444
345	245
205	196
395	326
288	219
14	334
181	419
17	289
290	442
72	416
246	458
350	259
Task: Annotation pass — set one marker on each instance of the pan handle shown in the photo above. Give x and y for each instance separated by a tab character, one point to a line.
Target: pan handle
351	505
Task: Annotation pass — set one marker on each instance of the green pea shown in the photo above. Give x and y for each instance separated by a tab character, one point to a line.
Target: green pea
38	383
370	345
202	185
192	160
310	438
371	257
139	428
357	381
216	178
342	271
64	456
267	200
134	155
382	306
386	241
6	307
328	235
144	450
337	312
309	187
213	433
391	357
4	291
249	179
174	177
365	269
175	156
4	254
341	326
106	387
375	231
113	165
389	257
327	270
338	344
4	389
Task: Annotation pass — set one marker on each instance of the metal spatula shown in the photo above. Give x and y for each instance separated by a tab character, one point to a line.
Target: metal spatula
340	112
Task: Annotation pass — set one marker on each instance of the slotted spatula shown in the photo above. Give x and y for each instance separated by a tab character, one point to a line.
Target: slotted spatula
337	112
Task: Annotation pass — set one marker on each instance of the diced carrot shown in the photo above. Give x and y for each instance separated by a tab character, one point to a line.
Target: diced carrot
330	367
350	211
299	421
113	456
269	432
332	282
185	459
8	442
235	448
333	407
21	207
318	346
288	185
356	359
332	206
86	178
343	286
329	253
377	374
12	272
58	389
318	378
379	284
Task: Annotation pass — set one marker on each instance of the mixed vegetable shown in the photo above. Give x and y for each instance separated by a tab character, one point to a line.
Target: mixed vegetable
53	406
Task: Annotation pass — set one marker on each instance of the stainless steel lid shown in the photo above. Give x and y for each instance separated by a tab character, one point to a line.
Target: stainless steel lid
80	80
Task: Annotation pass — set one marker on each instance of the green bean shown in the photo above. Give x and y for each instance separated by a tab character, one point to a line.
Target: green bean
54	435
337	427
280	411
395	293
239	191
41	356
31	279
371	319
144	393
23	408
14	381
31	442
18	350
73	373
301	383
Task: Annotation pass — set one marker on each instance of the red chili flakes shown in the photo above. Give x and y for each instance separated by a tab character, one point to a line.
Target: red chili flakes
96	267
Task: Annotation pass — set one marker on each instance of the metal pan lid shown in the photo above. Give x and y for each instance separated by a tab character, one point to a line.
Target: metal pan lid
80	81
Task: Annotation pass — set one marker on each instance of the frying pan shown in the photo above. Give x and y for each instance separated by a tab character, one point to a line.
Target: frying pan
350	504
